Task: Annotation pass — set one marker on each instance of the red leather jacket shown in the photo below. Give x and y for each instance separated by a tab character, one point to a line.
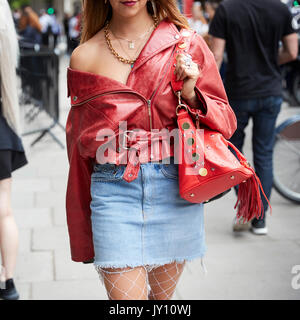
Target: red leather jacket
147	101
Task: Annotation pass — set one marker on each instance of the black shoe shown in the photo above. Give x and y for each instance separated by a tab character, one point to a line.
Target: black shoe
259	227
8	290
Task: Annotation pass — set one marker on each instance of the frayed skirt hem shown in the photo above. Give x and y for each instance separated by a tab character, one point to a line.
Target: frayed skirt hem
100	267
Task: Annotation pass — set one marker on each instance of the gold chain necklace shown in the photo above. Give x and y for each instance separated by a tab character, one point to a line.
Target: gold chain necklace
108	41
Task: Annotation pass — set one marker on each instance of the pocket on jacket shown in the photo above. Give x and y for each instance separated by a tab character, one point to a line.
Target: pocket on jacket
107	172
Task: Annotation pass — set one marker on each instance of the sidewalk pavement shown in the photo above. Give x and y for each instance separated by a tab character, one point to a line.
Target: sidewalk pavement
240	266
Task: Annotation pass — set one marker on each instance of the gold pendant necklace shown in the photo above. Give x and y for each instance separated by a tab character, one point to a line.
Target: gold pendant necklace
108	41
127	53
131	43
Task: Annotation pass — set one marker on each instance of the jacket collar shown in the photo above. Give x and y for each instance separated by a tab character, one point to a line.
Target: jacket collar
84	85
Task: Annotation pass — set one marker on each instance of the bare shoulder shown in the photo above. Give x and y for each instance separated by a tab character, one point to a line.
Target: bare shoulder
86	55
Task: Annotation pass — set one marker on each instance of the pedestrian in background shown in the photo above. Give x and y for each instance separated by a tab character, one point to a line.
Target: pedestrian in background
210	7
198	22
51	28
74	29
12	155
66	29
251	31
55	27
29	26
45	22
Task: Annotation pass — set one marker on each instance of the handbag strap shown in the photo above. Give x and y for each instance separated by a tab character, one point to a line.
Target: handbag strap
181	47
183	111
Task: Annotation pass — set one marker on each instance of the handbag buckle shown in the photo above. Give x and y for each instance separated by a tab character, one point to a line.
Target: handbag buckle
180	104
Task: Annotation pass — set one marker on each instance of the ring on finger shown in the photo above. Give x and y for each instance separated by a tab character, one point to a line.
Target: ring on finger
187	62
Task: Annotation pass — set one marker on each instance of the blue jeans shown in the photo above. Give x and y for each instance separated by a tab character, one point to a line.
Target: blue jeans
264	112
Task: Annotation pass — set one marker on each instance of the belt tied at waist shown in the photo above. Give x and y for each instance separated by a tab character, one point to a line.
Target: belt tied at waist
133	150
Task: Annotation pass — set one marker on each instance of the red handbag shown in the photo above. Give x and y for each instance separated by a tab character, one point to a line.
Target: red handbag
207	167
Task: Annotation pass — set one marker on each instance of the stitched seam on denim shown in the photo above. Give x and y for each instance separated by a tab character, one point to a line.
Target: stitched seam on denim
167	174
120	170
143	213
153	192
142	236
106	180
98	167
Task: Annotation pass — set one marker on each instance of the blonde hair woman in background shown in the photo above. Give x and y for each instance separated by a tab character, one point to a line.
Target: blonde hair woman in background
12	155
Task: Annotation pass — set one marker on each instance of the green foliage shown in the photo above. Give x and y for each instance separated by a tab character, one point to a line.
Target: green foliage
16	4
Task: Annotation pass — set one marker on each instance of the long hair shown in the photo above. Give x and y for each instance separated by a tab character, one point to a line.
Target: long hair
96	13
9	50
29	18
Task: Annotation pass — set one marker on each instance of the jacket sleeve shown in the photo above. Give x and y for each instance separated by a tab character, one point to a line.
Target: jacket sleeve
78	196
215	111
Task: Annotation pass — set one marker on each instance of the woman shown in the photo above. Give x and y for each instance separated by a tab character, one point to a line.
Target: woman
197	21
12	155
30	27
128	216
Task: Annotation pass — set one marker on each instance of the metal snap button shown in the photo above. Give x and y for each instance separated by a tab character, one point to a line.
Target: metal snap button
182	45
203	172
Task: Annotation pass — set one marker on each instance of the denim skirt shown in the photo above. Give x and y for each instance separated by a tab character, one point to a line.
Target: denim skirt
144	222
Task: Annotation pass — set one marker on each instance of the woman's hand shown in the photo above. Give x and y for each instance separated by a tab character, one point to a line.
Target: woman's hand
189	72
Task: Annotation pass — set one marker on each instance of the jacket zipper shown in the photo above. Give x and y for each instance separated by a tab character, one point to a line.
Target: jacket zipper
149	113
154	92
148	102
